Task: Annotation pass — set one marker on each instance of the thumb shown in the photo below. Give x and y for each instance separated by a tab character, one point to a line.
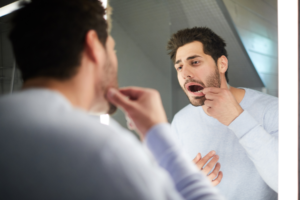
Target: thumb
118	99
197	158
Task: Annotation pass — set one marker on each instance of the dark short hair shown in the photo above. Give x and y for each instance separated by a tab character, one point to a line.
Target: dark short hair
213	44
48	36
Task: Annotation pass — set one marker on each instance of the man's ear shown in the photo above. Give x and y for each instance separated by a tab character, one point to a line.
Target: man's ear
93	47
222	64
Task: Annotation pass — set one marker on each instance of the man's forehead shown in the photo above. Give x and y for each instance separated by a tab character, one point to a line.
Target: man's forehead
190	49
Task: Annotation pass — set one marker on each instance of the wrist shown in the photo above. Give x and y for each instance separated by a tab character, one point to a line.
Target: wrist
152	125
239	111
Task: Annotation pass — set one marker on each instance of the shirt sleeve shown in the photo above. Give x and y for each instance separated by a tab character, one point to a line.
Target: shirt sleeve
188	180
261	145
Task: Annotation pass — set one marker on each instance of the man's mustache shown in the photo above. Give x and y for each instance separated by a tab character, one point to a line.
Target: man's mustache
195	81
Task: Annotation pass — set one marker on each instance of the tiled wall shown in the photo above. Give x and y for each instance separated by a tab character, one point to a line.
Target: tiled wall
256	23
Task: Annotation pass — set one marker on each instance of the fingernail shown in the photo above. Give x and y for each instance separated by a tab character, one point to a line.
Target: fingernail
213	152
111	92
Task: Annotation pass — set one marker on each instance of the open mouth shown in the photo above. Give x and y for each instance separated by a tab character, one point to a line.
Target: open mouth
194	87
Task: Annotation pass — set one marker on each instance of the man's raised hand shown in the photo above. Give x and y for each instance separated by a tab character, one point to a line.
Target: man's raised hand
221	104
142	106
216	175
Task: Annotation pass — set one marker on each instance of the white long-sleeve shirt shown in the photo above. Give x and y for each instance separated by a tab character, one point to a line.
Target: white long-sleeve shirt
248	147
50	150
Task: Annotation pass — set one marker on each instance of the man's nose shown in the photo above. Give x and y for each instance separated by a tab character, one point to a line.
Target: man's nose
187	72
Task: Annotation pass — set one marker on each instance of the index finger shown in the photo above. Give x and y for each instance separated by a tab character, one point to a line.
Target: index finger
118	99
197	158
212	90
132	92
204	160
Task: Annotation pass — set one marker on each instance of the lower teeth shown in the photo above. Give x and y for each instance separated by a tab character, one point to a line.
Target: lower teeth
198	91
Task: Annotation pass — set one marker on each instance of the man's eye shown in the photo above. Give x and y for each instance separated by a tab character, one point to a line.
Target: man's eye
179	68
196	62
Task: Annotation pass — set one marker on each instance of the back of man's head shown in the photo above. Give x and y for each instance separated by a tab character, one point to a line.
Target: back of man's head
48	36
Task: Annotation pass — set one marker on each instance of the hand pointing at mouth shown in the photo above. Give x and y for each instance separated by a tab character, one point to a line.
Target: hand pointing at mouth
221	104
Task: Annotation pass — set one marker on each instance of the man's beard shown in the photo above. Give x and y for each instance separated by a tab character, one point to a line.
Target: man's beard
112	78
212	81
108	80
111	108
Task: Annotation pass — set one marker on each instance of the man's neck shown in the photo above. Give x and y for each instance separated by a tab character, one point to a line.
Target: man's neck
69	89
236	92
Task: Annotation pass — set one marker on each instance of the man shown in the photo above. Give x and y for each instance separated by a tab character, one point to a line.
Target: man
238	124
49	146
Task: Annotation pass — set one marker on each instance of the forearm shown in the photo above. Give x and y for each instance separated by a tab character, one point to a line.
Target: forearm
190	183
261	146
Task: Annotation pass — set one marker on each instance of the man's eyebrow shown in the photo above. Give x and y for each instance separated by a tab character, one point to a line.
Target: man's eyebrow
178	61
189	58
192	57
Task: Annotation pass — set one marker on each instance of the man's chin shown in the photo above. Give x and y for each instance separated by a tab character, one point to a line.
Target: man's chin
103	108
112	109
197	101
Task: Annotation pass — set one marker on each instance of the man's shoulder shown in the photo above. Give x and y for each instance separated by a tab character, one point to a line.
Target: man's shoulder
263	107
52	117
254	98
54	125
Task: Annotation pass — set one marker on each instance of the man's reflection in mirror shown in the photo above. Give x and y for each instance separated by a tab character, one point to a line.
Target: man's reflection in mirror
230	133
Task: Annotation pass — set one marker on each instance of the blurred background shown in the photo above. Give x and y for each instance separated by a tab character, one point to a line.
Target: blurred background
142	28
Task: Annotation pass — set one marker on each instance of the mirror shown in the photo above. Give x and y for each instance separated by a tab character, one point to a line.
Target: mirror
142	29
